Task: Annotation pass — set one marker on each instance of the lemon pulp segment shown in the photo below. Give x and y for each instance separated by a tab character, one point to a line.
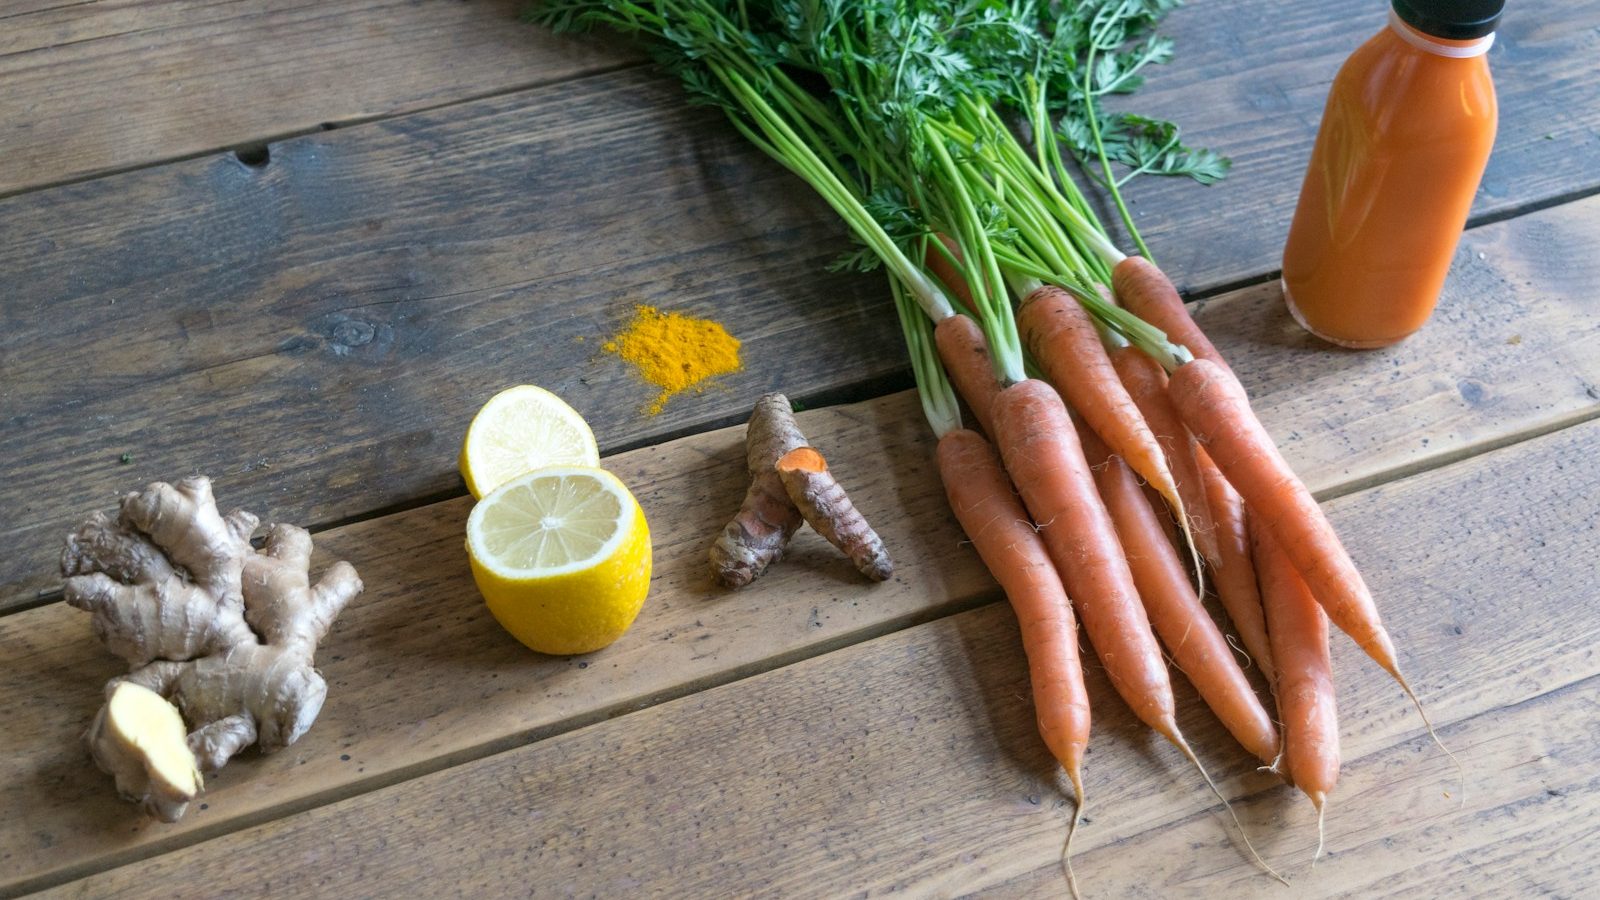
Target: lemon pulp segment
542	525
519	430
562	558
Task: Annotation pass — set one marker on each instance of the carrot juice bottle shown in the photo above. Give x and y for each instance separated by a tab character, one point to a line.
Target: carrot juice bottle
1404	140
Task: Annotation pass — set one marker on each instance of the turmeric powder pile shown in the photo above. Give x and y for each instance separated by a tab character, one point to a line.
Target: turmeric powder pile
675	352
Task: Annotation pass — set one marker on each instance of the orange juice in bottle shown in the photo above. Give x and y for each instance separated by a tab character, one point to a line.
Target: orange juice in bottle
1404	140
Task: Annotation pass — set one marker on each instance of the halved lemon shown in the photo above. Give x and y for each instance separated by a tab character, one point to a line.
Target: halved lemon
521	429
562	557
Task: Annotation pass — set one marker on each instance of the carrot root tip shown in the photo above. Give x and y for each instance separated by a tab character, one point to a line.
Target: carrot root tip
1319	800
1183	746
1427	723
1066	853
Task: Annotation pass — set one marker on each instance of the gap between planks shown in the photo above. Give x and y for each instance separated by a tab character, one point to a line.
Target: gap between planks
1374	512
875	388
1458	455
1242	321
322	127
512	740
833	397
1249	326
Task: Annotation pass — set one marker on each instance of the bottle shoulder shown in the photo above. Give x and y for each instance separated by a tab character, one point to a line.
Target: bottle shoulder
1397	86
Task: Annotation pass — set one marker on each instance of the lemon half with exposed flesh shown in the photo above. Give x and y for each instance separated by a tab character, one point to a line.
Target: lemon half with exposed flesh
562	557
521	429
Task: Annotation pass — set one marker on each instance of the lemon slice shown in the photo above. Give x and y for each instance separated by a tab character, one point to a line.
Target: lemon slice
521	429
562	558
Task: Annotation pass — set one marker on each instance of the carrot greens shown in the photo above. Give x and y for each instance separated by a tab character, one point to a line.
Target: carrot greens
901	114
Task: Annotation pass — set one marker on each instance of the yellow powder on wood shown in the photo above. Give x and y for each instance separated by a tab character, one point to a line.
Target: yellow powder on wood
675	352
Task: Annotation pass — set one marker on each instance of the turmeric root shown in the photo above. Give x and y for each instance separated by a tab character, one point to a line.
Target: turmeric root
216	633
757	535
827	508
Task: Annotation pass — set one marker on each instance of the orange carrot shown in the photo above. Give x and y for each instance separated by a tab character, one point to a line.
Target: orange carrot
965	354
1041	451
1147	293
1299	632
962	347
993	518
1215	408
1067	346
1039	445
1233	575
1188	632
1146	383
945	270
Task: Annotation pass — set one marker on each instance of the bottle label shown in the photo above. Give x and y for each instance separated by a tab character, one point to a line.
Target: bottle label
1454	50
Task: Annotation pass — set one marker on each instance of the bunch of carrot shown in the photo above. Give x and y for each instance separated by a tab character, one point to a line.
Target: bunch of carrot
895	112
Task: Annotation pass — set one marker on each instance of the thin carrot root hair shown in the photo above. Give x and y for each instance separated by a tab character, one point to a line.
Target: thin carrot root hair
1072	830
1244	654
1322	811
1428	724
1184	748
1281	760
1276	766
1188	539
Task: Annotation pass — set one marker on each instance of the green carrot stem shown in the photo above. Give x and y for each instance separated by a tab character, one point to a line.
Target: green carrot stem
933	387
803	160
1105	160
1005	346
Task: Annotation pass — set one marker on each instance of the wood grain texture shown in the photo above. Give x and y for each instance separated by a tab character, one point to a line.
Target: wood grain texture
349	394
910	762
400	702
315	335
420	674
1259	99
98	86
1527	829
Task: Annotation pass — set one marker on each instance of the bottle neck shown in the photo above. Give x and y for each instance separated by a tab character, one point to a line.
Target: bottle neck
1427	43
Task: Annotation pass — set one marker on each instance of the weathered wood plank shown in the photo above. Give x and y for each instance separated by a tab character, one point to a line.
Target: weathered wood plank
1259	101
910	762
317	334
399	666
1527	829
392	714
97	87
400	311
94	87
1348	419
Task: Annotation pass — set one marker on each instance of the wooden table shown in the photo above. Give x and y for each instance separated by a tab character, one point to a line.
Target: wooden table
294	246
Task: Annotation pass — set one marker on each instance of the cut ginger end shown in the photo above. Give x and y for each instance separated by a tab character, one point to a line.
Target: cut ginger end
147	723
802	459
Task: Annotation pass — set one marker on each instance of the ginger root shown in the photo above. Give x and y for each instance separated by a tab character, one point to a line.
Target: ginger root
827	508
143	743
790	485
759	532
214	630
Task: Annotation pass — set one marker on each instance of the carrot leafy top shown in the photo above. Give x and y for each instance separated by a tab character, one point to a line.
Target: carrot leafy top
904	116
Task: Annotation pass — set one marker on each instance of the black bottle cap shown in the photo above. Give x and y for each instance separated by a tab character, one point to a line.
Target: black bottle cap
1453	20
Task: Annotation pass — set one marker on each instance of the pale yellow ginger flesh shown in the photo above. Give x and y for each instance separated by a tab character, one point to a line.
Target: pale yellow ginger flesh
140	725
215	630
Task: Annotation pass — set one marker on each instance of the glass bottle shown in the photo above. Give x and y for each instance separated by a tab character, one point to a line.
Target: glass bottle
1405	136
